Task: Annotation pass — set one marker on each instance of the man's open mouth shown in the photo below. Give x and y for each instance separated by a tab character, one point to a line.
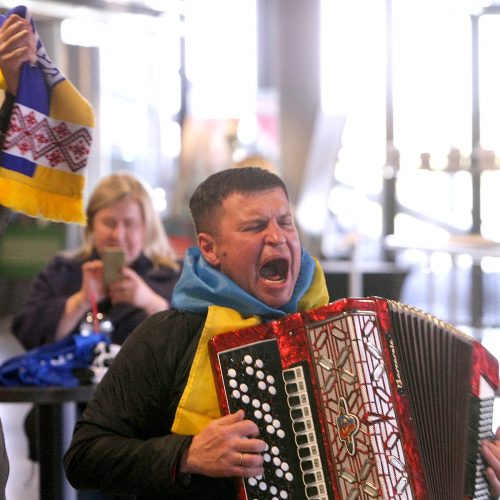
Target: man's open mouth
275	270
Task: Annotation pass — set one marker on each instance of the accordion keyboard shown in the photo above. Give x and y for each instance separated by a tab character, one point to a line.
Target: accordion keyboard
305	429
254	381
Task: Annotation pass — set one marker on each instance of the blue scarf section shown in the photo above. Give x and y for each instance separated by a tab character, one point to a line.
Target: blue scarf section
202	285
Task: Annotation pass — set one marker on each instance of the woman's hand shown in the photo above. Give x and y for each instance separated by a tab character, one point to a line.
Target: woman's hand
91	292
17	45
132	289
92	281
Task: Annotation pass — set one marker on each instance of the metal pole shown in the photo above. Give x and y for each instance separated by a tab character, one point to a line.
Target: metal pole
475	172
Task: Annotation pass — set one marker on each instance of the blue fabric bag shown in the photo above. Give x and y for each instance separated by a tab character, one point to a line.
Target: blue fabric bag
54	364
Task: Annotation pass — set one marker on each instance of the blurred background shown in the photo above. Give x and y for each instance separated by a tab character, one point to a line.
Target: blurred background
382	117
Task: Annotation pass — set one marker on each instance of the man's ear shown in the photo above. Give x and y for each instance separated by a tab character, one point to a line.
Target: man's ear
208	248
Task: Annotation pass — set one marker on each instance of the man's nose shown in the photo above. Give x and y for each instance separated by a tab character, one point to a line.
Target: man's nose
275	234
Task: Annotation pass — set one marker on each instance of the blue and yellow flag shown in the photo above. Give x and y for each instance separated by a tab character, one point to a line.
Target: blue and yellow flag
48	141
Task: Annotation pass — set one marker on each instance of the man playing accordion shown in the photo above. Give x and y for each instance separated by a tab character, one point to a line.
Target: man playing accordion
153	427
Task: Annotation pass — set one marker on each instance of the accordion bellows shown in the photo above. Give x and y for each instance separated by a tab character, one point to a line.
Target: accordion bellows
361	398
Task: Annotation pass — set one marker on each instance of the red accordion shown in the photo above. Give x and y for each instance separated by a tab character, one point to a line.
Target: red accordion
361	398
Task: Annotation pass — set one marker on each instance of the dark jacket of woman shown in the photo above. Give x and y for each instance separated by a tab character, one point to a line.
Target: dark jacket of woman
36	323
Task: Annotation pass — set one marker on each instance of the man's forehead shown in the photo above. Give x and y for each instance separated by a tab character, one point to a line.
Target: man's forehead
261	193
265	204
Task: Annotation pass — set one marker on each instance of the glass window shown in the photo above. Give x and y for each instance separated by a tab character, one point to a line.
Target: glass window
432	106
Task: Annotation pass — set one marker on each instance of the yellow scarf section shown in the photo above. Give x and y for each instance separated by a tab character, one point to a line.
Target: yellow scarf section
199	405
55	191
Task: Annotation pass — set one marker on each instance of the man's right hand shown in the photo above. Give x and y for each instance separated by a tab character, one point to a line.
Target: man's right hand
227	447
17	45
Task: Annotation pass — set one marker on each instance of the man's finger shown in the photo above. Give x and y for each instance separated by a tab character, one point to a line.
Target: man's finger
232	418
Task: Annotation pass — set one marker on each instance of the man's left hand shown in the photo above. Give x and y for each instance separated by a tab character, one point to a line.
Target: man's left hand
491	453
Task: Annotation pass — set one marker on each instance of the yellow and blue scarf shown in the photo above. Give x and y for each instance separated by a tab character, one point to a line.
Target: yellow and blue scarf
202	285
47	144
199	289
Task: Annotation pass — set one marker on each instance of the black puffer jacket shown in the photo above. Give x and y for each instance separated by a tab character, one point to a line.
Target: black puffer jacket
123	445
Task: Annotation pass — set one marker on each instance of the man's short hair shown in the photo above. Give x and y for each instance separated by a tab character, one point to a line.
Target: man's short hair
209	195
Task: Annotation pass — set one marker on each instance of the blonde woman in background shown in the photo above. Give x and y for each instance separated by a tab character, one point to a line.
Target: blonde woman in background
120	213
